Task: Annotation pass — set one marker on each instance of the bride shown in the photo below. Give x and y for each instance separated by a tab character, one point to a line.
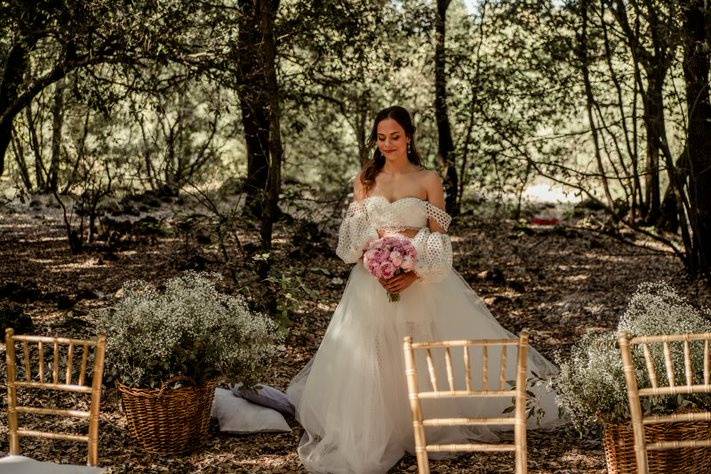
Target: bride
351	397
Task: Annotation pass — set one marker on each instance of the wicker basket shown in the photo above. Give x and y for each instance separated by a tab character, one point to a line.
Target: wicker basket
618	440
168	420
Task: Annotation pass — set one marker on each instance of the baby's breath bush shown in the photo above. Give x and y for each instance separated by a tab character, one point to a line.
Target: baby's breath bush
591	384
189	329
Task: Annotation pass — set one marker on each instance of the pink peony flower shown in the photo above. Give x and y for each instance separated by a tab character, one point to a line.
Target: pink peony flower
387	270
380	255
374	269
389	256
396	258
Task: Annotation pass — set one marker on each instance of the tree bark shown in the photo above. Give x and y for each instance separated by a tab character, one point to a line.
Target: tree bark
696	76
267	15
254	103
362	129
19	153
36	147
445	143
13	72
653	117
57	122
669	219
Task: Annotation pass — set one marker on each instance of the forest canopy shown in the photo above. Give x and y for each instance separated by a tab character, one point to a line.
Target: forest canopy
100	100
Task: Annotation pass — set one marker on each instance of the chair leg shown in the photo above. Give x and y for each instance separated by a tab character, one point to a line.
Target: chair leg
93	445
640	449
415	407
423	462
93	457
521	460
520	426
12	428
11	392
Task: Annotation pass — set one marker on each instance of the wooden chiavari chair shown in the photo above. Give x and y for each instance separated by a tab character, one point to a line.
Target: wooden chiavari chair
49	377
658	388
518	392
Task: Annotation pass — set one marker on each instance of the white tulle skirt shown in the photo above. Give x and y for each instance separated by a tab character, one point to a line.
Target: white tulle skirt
351	397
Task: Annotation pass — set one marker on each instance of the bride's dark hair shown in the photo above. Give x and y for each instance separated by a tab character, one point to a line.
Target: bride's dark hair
372	167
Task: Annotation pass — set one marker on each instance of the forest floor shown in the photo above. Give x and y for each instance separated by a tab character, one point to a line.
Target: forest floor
559	282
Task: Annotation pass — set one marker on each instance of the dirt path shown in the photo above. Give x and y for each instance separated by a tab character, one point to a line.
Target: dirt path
557	283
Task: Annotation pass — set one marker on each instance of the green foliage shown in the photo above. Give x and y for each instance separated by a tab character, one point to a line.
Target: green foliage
533	407
292	290
159	103
189	329
591	385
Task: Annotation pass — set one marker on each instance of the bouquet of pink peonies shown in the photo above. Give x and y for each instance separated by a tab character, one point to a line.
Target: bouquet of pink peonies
389	256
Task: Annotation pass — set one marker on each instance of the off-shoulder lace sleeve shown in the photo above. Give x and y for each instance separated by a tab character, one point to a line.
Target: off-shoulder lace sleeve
434	249
438	215
355	232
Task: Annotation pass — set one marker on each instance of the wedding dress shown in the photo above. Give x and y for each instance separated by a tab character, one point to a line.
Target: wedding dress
351	397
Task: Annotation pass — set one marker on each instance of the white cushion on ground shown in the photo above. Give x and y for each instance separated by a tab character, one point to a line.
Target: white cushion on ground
24	465
265	396
237	415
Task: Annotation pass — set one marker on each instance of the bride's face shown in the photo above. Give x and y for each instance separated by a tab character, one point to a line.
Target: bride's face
392	140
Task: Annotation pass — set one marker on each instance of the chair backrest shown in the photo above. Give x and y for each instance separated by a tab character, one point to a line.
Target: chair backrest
658	387
504	390
49	376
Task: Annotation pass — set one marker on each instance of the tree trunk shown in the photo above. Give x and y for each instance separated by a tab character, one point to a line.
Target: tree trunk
669	212
267	14
669	218
465	152
254	103
57	122
12	75
256	135
19	153
696	76
36	147
653	117
656	59
584	58
638	199
445	146
362	130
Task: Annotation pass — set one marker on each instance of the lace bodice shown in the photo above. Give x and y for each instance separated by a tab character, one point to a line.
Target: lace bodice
404	213
363	219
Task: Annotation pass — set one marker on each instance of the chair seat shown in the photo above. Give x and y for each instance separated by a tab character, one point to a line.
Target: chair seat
24	465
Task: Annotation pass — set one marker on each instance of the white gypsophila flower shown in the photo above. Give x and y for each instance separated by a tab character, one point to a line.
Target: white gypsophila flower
588	384
188	329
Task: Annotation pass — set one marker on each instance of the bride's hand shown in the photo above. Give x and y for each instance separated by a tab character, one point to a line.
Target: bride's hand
400	282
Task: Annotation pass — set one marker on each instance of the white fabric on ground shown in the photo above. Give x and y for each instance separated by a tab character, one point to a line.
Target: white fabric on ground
24	465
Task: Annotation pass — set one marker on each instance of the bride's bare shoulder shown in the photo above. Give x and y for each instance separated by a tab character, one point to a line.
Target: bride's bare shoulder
429	176
432	182
430	179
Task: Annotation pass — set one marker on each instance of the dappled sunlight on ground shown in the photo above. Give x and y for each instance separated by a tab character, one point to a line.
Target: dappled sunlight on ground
556	282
